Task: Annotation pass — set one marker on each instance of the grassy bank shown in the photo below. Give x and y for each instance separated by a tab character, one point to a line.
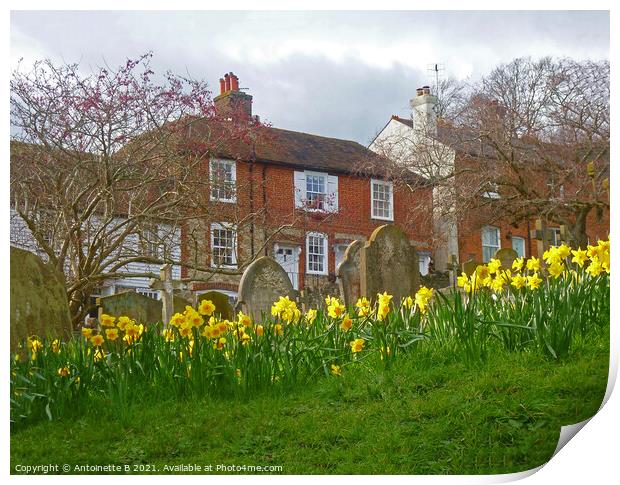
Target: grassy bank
429	414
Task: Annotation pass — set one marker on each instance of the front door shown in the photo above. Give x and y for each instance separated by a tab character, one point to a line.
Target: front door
288	258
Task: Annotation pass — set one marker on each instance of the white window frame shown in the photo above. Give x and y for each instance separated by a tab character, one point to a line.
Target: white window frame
325	253
555	238
383	183
522	239
149	241
499	242
225	227
325	194
233	182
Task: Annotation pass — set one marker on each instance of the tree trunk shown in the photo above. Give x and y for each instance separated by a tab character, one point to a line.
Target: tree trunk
579	236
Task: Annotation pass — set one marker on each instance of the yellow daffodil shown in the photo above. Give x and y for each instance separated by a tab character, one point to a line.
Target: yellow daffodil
311	315
123	322
277	328
518	281
363	306
168	334
422	298
111	333
595	267
206	307
579	256
534	281
87	332
556	269
259	330
335	309
336	370
55	346
533	264
517	264
408	302
97	340
357	345
494	265
346	323
63	371
219	345
107	320
244	319
177	320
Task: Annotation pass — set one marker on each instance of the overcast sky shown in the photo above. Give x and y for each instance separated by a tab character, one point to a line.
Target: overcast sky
338	74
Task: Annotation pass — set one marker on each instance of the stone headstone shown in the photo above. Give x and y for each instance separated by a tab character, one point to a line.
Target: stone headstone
139	307
349	273
389	262
470	266
262	283
221	302
39	304
506	256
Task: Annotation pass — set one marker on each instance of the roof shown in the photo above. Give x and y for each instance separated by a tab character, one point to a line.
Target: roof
294	149
305	150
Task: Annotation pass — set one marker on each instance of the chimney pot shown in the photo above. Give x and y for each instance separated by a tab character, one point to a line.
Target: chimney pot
426	89
222	85
234	82
227	82
419	91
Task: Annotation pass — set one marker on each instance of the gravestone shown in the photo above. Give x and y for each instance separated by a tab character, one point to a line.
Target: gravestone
166	285
262	283
389	262
506	256
138	307
349	273
221	302
39	304
470	266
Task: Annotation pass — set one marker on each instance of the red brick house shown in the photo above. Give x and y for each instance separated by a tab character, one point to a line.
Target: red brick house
298	197
475	235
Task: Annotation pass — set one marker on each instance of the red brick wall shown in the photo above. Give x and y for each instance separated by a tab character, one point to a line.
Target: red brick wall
267	190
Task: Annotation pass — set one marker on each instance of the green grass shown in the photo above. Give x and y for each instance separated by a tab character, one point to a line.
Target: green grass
429	414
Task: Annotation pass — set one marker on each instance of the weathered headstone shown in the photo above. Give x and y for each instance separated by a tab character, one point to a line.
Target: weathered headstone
506	256
133	305
166	285
389	262
470	266
39	304
262	283
221	302
349	273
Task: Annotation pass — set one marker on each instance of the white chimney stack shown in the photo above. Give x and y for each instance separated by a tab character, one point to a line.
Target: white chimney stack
423	111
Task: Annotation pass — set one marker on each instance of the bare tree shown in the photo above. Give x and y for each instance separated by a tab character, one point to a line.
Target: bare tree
531	139
108	167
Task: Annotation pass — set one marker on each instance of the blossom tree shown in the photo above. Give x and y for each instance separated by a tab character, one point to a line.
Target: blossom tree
106	168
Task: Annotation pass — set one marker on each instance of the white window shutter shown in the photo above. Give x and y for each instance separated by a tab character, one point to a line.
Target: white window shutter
332	193
391	201
300	188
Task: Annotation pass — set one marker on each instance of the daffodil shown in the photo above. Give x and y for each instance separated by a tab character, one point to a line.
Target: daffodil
518	281
579	256
336	370
97	340
55	346
494	265
556	269
244	319
177	320
533	264
206	307
422	298
346	323
357	345
517	264
311	315
111	333
87	332
107	320
335	309
63	371
408	302
123	322
363	306
534	281
595	267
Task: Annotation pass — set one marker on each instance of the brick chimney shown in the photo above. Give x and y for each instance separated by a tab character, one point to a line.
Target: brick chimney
423	111
231	102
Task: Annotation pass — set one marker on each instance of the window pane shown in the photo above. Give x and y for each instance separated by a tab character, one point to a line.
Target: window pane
381	206
316	253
